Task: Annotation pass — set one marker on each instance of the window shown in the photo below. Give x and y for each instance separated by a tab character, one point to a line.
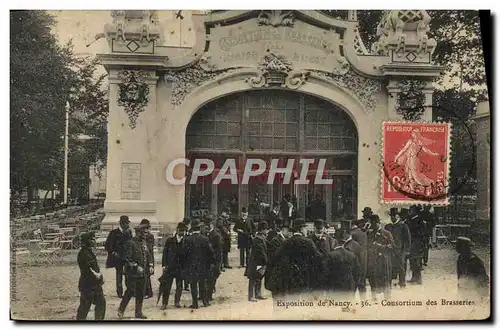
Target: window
327	127
216	126
273	120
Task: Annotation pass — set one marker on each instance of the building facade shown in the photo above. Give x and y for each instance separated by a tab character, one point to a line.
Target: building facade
256	84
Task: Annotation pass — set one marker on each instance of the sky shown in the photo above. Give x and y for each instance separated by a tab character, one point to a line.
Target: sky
81	26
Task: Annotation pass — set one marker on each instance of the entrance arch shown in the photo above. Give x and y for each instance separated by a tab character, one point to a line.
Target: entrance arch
171	204
268	124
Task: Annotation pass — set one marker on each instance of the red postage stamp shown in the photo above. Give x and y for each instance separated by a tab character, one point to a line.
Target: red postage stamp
415	162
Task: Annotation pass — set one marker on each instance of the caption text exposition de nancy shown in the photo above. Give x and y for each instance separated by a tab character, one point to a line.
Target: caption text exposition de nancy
366	303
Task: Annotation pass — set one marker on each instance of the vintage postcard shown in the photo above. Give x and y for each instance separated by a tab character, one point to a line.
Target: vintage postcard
249	165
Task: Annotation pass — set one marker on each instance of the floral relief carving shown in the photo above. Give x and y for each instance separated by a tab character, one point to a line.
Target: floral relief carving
277	70
276	18
364	88
133	94
186	80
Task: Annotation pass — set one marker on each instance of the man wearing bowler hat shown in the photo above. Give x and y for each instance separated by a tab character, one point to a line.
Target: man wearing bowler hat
114	247
172	266
215	239
198	258
364	222
137	260
323	241
402	242
298	267
150	242
257	262
283	232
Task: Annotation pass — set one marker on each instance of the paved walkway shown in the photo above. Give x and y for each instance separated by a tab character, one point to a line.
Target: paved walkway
51	293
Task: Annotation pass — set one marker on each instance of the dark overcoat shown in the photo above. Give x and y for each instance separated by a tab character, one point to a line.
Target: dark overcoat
402	243
273	220
114	246
224	228
472	275
135	255
343	270
325	243
360	236
150	242
198	257
272	247
245	238
380	257
418	232
171	259
356	248
298	267
87	260
215	239
258	257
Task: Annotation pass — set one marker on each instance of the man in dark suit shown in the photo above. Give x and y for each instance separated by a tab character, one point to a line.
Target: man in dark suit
91	280
402	242
224	227
137	259
365	220
245	227
114	246
273	220
171	263
150	241
323	241
361	238
380	258
273	245
472	278
257	263
417	231
429	222
343	271
299	265
197	259
187	222
215	239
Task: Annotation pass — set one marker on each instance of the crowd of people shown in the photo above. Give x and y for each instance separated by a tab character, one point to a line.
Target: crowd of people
278	253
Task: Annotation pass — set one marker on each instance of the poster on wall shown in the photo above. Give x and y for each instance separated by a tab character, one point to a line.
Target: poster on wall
131	181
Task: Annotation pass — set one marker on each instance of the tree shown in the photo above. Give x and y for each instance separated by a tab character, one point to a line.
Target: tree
44	76
89	113
38	92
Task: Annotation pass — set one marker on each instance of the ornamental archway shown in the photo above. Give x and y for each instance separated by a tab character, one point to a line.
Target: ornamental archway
274	124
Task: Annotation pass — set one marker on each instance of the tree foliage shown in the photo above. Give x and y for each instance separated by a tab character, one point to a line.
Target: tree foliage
44	76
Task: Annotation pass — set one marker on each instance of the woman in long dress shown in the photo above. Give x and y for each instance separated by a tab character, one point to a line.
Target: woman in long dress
408	158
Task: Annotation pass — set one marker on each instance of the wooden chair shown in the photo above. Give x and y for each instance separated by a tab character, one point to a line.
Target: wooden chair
442	240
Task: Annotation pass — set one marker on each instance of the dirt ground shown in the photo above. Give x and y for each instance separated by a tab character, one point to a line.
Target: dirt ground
50	293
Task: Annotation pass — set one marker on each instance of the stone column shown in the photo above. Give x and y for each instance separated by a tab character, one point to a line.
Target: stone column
483	167
130	188
171	139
